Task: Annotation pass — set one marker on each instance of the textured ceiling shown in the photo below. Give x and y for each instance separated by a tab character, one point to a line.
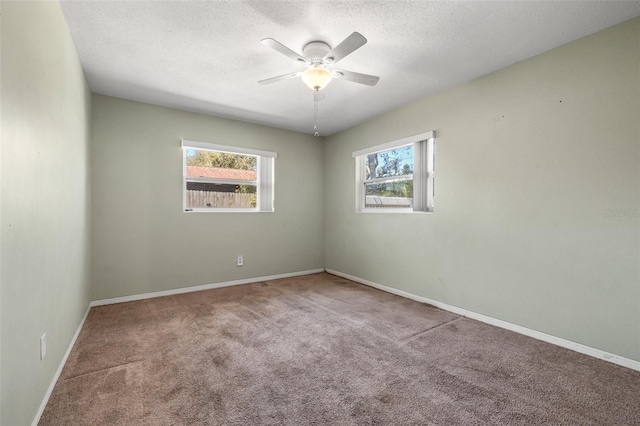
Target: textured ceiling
206	56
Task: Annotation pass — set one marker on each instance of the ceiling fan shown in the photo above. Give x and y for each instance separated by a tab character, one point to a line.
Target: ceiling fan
317	56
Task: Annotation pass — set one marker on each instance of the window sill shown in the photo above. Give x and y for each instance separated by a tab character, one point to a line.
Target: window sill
226	211
390	211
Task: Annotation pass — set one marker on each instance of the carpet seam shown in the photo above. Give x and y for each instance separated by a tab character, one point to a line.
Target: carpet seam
103	369
416	335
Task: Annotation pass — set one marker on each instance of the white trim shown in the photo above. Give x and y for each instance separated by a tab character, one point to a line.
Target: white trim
423	156
154	294
395	144
223	210
184	180
56	376
389	210
226	148
558	341
360	189
266	184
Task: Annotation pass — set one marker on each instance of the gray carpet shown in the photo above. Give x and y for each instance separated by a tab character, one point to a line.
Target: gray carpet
321	350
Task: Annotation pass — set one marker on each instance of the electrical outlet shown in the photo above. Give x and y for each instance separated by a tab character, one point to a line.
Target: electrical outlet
240	260
43	346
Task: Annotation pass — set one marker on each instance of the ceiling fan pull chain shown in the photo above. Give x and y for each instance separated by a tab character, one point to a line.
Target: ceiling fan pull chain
315	113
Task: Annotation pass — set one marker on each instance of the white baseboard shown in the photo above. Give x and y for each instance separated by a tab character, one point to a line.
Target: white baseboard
578	347
133	297
47	395
122	299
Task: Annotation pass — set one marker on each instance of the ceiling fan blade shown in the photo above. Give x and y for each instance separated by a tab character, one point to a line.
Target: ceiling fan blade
356	77
280	77
277	46
348	45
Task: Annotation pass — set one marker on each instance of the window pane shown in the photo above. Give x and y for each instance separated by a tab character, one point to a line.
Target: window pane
389	194
216	195
221	165
393	162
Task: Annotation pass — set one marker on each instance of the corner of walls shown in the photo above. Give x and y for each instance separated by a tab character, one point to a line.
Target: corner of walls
323	171
45	210
143	242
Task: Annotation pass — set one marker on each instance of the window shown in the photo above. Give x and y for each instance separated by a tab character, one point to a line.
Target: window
397	176
226	178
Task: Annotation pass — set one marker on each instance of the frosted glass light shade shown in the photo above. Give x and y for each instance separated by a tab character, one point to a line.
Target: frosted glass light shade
316	78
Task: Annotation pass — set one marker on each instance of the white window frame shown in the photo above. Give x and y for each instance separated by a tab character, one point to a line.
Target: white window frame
423	173
264	183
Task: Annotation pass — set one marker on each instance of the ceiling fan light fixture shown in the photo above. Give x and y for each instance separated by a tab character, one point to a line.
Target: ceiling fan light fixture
317	78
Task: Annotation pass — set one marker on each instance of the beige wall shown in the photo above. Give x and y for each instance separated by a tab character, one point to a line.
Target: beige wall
144	242
45	217
529	161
